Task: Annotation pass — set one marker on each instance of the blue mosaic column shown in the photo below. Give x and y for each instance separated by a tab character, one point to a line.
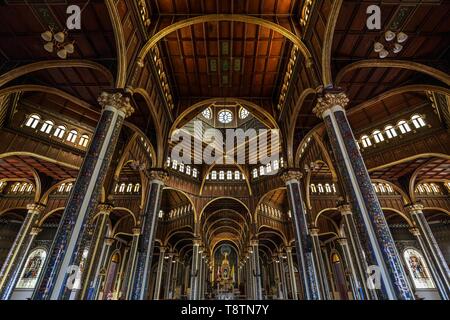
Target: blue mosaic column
70	240
142	268
376	238
256	270
18	253
95	250
357	261
303	241
431	250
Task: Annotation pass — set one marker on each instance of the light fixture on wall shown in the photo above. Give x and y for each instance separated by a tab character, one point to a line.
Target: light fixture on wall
56	42
387	45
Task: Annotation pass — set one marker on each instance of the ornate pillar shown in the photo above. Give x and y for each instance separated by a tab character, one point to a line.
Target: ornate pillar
303	241
374	232
168	286
70	242
201	275
195	269
121	275
284	285
356	258
350	269
17	255
129	274
431	249
142	267
101	271
322	280
256	270
291	269
94	254
173	285
159	272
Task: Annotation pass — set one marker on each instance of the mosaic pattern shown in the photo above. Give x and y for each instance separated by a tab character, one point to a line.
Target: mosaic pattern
146	243
73	209
378	223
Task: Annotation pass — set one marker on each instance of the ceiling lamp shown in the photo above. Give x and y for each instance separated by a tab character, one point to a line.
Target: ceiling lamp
389	35
56	42
386	45
402	37
383	53
378	47
397	48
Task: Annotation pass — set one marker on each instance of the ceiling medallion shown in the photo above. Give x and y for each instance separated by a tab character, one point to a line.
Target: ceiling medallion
57	42
387	45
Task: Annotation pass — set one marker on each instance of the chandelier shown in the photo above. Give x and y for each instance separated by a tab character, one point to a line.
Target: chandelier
57	42
387	45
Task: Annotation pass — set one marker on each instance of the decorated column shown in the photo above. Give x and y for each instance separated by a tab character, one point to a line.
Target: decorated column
256	270
18	253
142	268
174	283
159	272
195	269
284	285
70	241
373	230
322	279
303	240
431	249
95	250
168	286
129	273
100	274
291	269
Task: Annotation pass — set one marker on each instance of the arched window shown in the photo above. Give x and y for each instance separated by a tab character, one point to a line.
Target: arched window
327	188
59	132
62	187
84	140
404	126
320	187
268	168
33	121
161	214
282	162
261	170
389	188
130	187
418	121
375	187
418	269
137	188
122	188
382	188
243	113
390	132
195	173
23	187
420	189
168	162
47	126
225	116
255	173
207	114
174	164
15	187
214	175
221	175
72	136
366	141
435	188
188	170
30	188
181	167
32	269
378	136
276	165
237	175
229	175
69	187
333	186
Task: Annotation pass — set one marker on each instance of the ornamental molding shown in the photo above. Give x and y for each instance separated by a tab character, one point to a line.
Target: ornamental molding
291	175
159	175
329	98
35	208
117	101
415	208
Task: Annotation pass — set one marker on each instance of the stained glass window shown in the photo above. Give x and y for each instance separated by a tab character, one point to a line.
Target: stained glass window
33	267
225	116
418	269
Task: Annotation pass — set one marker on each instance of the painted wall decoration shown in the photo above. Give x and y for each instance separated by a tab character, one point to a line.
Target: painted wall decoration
33	267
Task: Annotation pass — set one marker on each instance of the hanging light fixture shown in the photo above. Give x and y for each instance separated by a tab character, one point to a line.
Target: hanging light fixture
397	48
62	53
60	37
389	35
402	37
378	47
47	35
56	42
49	47
386	45
383	53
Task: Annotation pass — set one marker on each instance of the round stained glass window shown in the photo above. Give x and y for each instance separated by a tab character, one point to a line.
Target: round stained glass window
207	113
243	113
225	116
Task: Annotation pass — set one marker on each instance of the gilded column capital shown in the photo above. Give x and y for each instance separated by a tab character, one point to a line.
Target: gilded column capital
136	231
342	241
329	98
197	242
158	175
35	208
415	231
314	232
414	208
105	208
345	209
116	100
35	231
288	249
291	175
254	242
109	241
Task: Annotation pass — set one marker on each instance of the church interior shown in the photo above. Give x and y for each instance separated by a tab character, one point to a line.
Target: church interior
95	204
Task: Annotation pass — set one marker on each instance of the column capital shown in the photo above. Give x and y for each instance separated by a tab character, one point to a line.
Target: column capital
35	208
329	98
105	208
342	241
415	231
109	241
35	231
162	249
314	232
116	100
291	175
288	249
197	242
254	242
159	175
345	209
136	231
414	208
